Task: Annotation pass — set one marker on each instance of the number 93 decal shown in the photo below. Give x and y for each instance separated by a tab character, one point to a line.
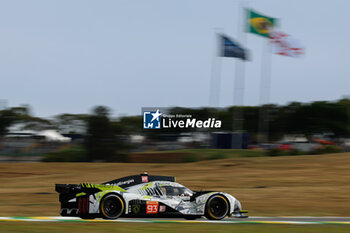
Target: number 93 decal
152	207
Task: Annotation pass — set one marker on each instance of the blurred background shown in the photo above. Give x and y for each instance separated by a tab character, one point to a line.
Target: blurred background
75	76
294	129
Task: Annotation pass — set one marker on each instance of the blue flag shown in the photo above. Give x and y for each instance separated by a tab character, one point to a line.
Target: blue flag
229	48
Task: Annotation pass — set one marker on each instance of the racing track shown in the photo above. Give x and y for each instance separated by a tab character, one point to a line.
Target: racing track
250	220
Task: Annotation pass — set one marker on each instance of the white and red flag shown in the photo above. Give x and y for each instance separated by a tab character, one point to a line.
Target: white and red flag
284	44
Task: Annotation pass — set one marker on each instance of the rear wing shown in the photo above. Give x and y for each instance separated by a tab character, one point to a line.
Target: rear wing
70	191
67	191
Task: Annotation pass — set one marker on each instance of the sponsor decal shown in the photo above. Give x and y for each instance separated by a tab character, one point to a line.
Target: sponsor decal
158	118
162	208
144	178
125	182
152	207
136	209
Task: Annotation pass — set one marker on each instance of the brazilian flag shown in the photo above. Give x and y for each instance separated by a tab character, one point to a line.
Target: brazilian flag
260	24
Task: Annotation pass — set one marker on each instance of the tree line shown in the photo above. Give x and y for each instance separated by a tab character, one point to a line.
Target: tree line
105	135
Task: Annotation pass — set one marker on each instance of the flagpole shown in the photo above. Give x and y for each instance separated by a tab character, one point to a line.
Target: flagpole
215	79
239	81
265	86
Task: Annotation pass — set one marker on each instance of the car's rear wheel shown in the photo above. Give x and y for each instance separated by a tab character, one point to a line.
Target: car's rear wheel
216	208
112	206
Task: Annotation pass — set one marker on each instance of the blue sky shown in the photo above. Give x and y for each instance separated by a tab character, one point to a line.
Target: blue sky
68	56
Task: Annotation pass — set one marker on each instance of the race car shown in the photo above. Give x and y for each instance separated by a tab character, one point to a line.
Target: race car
144	196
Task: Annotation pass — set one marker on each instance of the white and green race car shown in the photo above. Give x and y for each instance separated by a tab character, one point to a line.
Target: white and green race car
145	196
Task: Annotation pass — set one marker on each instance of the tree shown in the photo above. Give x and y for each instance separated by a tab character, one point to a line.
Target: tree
71	123
23	118
100	140
7	117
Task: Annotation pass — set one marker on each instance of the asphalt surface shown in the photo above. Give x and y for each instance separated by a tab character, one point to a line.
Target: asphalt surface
231	220
256	219
296	218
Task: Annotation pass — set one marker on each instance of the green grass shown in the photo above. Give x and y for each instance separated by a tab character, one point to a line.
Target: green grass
166	227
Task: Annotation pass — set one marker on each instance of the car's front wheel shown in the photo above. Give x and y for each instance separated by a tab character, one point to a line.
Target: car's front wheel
112	206
216	208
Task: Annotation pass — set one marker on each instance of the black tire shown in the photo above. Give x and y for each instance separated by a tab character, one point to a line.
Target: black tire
112	206
217	207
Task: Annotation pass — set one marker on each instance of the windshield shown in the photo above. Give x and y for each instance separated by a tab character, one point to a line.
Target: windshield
175	191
